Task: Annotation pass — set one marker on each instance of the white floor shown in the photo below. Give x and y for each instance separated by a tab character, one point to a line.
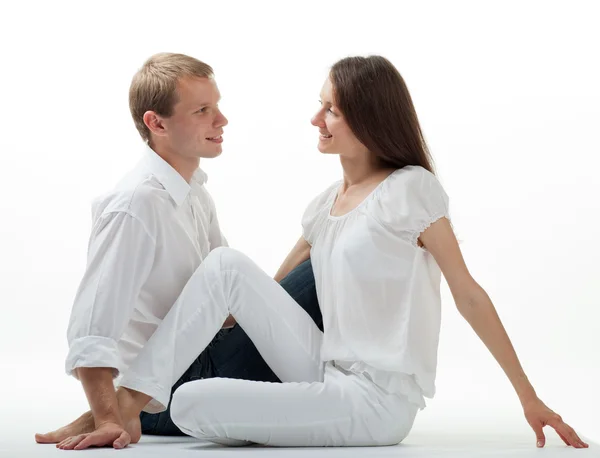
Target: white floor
466	420
456	441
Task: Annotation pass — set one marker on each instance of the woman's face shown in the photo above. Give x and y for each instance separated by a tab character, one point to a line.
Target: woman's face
335	137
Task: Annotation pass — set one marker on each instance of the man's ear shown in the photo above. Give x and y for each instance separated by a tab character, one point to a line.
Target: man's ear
155	123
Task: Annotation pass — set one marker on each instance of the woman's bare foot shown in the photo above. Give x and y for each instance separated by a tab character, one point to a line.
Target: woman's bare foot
84	424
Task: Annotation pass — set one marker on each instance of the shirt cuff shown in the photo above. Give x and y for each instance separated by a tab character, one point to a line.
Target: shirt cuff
93	351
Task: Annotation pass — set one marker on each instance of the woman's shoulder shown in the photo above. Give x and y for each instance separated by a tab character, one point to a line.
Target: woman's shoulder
411	181
410	194
410	176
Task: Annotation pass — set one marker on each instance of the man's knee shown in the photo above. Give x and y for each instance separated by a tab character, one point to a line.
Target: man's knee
225	258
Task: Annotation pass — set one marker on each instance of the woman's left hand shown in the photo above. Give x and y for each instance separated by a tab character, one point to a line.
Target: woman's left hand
539	415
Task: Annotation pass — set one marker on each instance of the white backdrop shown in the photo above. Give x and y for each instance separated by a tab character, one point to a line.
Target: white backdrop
508	97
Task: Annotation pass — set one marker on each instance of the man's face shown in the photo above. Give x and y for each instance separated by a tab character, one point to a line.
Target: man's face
195	127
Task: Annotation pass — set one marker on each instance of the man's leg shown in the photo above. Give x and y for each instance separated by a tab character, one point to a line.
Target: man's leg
232	354
235	356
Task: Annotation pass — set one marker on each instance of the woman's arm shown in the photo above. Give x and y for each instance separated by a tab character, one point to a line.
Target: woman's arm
474	304
299	254
476	307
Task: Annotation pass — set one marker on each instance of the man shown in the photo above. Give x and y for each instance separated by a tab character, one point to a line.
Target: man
149	235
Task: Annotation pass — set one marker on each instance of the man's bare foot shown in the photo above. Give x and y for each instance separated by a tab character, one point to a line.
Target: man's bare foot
130	414
84	424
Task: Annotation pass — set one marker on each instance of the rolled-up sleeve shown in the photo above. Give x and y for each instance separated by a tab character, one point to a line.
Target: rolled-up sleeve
120	257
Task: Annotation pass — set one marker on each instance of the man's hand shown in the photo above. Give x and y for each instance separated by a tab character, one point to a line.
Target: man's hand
129	412
107	434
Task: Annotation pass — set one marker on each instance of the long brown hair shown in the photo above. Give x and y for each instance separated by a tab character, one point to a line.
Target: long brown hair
372	95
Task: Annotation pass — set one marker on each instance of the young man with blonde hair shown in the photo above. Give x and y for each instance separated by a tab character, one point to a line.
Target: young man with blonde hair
148	237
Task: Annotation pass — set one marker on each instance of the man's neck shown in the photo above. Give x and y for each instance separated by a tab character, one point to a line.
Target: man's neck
185	166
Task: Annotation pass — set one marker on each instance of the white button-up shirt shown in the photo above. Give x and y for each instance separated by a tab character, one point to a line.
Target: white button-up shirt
148	237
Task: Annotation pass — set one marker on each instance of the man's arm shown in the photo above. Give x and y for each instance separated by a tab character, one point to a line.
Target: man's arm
120	257
98	386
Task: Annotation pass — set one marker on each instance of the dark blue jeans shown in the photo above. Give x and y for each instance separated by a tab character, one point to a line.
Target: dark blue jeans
232	354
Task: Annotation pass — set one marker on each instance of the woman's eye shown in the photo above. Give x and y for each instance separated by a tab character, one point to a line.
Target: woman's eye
329	110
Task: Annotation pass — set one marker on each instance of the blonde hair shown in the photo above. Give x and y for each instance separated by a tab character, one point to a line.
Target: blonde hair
153	87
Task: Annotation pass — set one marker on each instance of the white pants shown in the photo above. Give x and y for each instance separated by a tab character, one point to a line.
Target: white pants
317	404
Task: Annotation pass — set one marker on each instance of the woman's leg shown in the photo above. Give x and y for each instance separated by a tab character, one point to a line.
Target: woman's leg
227	282
344	410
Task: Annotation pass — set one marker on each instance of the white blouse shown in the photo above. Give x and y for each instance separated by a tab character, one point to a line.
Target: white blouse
379	292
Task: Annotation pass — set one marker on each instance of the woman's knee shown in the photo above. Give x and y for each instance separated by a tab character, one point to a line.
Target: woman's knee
403	423
187	409
196	409
182	407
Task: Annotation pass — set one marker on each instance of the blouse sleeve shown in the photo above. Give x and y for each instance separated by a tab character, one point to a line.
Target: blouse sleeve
316	213
411	201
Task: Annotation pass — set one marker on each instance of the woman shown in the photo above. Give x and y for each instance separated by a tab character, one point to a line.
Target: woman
379	240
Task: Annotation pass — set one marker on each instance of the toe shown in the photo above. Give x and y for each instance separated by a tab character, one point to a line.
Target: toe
47	438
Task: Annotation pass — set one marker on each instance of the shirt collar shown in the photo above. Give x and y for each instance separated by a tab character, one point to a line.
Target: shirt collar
171	180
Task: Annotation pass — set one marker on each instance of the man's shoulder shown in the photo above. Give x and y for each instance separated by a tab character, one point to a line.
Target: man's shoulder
139	193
